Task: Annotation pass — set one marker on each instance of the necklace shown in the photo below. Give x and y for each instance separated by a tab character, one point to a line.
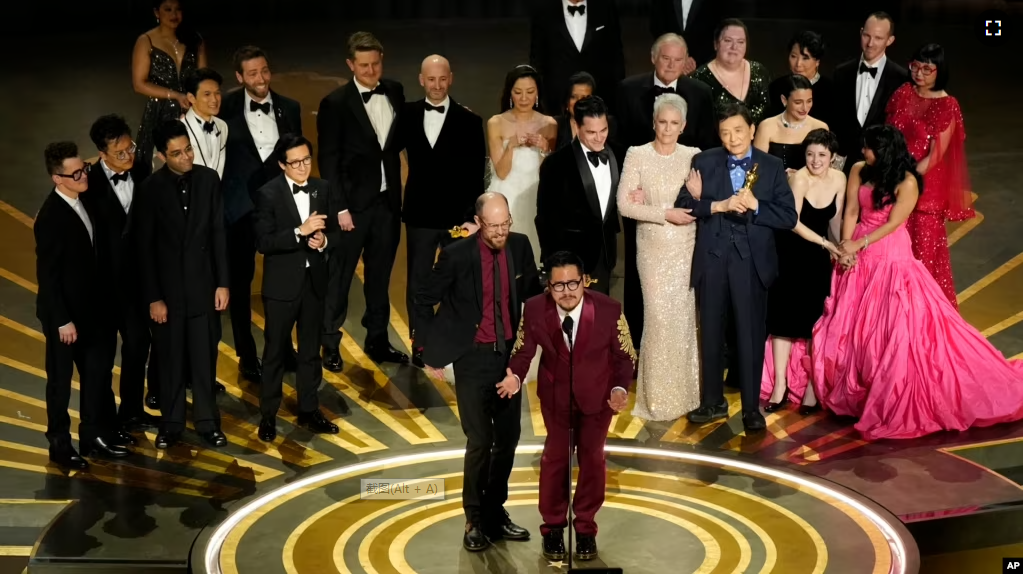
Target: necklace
792	126
741	83
177	55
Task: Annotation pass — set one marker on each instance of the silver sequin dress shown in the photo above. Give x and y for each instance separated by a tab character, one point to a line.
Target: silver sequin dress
669	365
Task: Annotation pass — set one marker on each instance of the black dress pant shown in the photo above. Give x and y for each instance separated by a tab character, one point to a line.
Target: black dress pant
730	291
492	428
421	245
130	318
241	260
89	354
632	306
281	317
186	354
375	238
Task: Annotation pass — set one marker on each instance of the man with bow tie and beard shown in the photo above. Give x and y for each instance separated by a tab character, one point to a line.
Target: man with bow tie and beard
576	209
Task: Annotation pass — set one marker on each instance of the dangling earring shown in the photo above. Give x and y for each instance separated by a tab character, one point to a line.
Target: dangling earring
511	104
157	21
536	104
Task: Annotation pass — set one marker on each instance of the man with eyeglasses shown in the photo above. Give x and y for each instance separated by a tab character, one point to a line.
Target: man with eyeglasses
480	283
111	195
70	270
294	230
582	397
183	257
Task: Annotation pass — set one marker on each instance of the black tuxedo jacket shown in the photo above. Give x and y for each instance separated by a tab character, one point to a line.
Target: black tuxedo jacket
285	257
69	266
636	112
553	53
847	126
457	284
118	238
444	180
182	253
244	171
776	211
568	208
350	153
704	17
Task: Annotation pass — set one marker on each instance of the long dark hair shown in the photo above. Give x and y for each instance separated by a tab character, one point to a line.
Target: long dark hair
516	74
891	163
185	33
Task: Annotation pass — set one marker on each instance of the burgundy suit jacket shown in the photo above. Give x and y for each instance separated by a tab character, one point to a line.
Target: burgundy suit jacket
604	357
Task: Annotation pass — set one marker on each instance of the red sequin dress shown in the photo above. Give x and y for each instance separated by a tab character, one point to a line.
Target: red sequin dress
946	193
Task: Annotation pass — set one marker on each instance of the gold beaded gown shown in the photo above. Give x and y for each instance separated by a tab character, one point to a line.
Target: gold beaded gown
669	366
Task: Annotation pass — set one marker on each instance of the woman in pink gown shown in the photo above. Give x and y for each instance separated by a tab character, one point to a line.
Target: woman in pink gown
889	349
932	124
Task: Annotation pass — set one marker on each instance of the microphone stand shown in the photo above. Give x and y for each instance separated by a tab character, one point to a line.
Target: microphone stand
566	326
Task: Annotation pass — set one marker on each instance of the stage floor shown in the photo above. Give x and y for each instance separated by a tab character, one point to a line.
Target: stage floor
151	508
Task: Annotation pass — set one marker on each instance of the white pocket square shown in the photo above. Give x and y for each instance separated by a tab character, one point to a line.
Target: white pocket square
599	28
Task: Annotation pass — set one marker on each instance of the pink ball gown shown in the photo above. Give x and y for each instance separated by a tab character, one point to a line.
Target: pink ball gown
891	349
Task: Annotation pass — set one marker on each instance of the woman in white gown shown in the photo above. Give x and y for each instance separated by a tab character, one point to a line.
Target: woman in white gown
518	139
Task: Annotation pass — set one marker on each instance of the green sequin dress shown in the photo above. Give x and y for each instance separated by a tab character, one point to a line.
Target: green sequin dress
756	97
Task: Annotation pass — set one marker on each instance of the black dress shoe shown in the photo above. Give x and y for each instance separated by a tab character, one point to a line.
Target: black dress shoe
417	359
152	401
251	371
214	438
809	409
503	528
707	413
267	430
66	457
122	438
554	544
474	540
332	362
385	353
218	388
771	407
103	447
753	421
140	421
317	423
165	441
585	547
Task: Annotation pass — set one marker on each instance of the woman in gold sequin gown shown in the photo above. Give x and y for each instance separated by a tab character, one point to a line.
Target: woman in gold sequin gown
669	370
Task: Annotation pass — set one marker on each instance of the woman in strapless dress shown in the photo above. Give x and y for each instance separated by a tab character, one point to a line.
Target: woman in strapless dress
782	135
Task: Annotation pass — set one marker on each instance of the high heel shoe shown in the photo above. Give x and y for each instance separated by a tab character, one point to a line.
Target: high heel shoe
809	409
771	407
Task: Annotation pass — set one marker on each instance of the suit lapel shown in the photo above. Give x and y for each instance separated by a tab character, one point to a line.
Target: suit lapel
694	8
199	137
878	104
453	108
288	197
477	274
558	12
591	25
613	164
241	126
589	186
513	296
283	122
554	328
359	109
586	322
395	106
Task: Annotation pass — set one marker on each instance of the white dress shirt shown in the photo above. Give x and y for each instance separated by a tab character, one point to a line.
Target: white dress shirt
76	205
673	85
209	146
602	179
576	23
866	87
381	115
262	127
124	190
687	6
302	204
433	122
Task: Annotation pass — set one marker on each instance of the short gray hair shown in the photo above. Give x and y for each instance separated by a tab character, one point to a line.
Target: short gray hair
668	38
482	200
670	101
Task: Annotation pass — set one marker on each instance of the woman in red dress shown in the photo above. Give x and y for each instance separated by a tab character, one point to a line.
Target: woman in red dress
932	124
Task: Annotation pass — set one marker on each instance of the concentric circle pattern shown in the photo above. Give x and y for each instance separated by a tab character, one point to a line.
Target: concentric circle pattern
665	511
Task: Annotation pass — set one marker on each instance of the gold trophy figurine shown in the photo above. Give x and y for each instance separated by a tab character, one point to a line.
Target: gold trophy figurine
458	231
751	179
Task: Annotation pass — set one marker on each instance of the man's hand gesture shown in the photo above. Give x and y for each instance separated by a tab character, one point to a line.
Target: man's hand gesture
508	386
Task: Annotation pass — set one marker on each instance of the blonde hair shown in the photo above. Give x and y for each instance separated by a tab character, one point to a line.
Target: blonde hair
668	38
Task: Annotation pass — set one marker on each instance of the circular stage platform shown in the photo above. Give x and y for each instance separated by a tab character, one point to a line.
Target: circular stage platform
666	511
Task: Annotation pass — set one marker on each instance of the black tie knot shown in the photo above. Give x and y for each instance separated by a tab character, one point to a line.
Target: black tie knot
119	177
297	189
377	90
439	109
257	107
207	126
659	90
597	157
580	10
865	69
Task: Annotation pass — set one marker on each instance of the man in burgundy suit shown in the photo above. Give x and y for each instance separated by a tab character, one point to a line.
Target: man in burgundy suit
603	360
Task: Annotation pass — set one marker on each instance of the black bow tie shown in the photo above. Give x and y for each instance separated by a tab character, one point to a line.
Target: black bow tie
256	107
864	69
658	90
597	157
377	90
743	163
207	126
119	177
297	189
580	10
439	109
